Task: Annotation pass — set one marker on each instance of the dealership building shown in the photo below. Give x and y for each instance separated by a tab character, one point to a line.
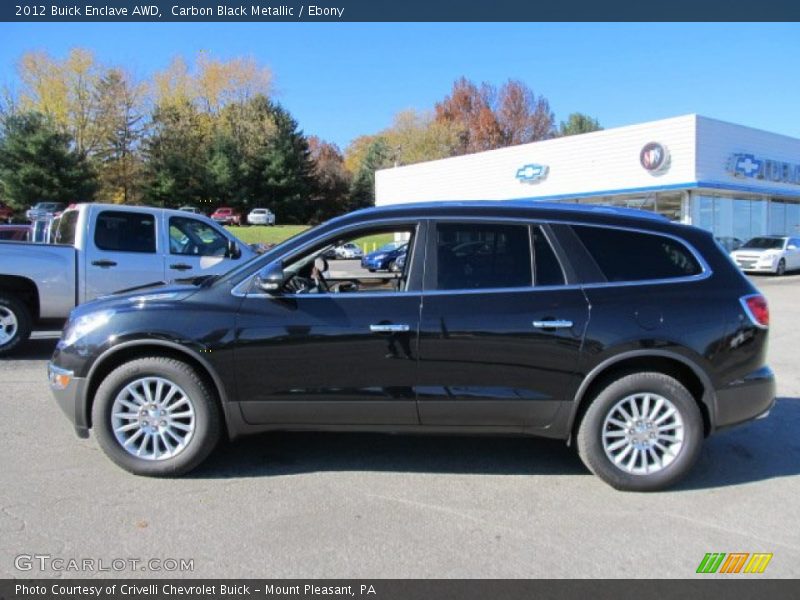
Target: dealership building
733	180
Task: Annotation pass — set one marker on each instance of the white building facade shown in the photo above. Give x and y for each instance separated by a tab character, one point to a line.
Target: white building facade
736	181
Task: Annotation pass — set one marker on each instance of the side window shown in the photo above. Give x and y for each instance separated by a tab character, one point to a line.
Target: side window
480	256
547	269
191	237
375	259
624	255
119	231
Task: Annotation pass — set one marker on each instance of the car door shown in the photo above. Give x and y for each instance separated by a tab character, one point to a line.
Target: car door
495	348
195	248
122	252
331	358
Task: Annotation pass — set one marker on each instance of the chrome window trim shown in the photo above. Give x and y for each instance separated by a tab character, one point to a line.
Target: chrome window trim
705	273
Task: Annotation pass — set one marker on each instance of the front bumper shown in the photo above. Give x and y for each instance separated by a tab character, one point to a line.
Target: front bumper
746	399
68	391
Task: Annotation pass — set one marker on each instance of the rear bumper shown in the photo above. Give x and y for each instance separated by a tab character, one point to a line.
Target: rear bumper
745	399
70	398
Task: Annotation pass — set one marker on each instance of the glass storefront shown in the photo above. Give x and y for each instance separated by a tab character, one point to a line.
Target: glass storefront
727	215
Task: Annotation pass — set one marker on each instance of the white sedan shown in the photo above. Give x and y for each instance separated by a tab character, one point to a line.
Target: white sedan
769	254
348	250
261	216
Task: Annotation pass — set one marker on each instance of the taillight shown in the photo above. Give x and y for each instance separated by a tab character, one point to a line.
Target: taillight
756	308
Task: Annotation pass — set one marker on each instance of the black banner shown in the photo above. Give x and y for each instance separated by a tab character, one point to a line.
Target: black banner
398	11
394	589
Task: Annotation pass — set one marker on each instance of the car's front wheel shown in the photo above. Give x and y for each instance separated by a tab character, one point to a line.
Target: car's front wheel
642	432
780	270
156	416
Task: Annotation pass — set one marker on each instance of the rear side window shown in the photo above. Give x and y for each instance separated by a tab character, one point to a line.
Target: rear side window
624	255
478	256
118	231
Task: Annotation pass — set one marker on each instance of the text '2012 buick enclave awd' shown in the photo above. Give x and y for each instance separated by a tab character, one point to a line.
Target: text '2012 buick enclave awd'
631	337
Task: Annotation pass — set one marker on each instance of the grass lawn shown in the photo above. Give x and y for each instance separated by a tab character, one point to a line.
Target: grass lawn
278	233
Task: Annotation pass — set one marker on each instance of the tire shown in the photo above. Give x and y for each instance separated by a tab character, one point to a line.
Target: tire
15	323
665	467
206	421
780	270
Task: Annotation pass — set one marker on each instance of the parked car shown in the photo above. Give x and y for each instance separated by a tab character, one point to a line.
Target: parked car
560	331
100	249
769	254
225	215
191	209
730	243
6	213
350	250
15	233
43	210
383	259
261	216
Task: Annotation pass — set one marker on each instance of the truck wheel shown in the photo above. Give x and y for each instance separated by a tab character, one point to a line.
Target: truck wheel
156	416
15	323
643	432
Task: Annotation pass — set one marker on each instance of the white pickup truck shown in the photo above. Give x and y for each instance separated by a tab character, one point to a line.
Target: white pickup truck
101	249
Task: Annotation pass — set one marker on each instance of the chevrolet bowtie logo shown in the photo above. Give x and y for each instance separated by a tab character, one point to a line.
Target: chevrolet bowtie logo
746	165
531	172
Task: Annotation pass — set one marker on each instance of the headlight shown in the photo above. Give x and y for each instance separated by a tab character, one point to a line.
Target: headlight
84	325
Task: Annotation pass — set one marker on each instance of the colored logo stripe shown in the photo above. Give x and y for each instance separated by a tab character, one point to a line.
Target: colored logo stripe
713	562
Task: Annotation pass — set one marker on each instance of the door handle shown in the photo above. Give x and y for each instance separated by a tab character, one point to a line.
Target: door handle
552	324
389	328
180	267
104	264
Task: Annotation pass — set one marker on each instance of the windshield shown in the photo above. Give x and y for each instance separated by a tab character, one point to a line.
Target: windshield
765	243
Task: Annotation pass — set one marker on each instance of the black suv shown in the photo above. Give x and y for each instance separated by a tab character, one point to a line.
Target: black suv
628	336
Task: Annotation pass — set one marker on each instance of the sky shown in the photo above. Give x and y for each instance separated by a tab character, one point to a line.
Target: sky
342	80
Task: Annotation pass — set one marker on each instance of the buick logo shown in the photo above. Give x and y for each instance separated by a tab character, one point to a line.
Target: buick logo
654	157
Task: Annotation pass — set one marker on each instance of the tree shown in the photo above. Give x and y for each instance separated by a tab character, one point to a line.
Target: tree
417	137
578	123
120	125
523	116
177	153
362	190
64	91
38	162
481	118
331	181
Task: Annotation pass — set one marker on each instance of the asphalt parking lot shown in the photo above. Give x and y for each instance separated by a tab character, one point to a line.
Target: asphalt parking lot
372	506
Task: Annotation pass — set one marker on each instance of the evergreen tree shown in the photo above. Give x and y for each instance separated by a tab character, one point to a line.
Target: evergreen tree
362	190
38	162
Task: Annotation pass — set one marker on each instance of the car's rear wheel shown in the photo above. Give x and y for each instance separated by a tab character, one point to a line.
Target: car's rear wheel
642	432
781	268
15	323
156	416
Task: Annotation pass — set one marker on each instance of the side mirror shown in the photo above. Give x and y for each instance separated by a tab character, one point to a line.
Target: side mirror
233	250
271	278
791	247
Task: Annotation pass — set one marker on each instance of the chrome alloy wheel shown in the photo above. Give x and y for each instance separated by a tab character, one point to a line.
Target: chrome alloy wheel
153	418
8	325
643	434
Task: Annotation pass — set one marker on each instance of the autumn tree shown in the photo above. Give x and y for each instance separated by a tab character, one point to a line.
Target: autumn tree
578	123
416	137
39	162
65	92
483	118
120	125
331	180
